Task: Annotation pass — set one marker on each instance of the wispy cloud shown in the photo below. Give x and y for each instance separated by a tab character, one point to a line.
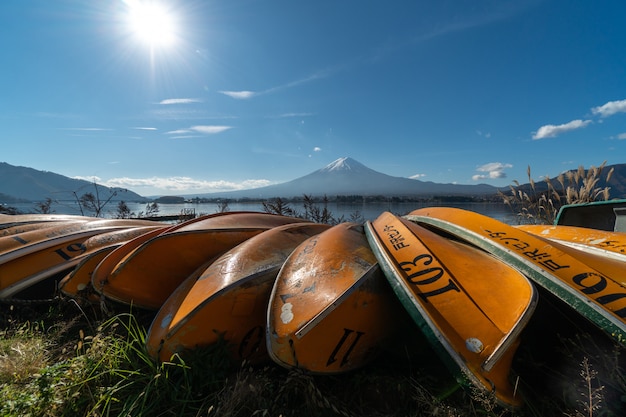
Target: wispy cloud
203	129
239	95
185	184
145	128
610	108
621	136
178	132
289	115
492	171
417	176
248	94
210	130
180	101
550	131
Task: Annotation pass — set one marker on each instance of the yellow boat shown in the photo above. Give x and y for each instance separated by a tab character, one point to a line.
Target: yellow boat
227	299
598	297
32	264
78	282
470	306
148	275
331	310
600	242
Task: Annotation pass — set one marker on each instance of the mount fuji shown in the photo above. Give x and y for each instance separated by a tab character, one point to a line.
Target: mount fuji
346	176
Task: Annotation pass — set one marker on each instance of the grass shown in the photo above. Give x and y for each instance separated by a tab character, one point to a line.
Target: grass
59	360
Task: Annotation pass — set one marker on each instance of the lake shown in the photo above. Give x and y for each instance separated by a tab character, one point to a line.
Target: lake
368	211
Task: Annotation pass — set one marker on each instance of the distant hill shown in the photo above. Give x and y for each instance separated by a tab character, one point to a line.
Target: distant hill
616	183
345	176
8	199
28	184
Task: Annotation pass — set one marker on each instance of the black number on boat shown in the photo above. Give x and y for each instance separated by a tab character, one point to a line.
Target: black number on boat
346	333
593	283
71	251
431	274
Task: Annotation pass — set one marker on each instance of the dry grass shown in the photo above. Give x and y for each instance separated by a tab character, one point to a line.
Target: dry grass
22	354
533	205
65	362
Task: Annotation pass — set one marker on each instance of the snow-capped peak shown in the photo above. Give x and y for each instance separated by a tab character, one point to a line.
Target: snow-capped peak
342	164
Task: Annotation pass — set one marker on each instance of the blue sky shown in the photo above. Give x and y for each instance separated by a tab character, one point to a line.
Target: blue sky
225	95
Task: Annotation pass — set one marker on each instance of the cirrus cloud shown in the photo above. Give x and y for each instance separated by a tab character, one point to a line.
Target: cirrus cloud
550	131
180	101
210	130
239	95
203	129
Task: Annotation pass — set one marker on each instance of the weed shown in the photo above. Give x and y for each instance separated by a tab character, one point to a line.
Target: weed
540	205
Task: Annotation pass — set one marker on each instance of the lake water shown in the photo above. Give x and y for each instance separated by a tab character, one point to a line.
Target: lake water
368	211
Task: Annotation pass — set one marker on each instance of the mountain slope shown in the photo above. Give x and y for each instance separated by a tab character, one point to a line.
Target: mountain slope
33	185
616	182
345	176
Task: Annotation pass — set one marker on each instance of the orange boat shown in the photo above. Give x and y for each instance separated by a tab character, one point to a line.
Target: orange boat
78	282
37	262
11	220
229	298
331	310
470	306
29	227
102	270
599	297
15	246
149	274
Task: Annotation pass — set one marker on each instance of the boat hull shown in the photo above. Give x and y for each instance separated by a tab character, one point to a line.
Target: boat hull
470	306
34	263
599	298
149	274
331	310
228	299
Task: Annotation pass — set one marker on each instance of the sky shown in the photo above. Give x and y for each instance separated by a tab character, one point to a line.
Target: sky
195	96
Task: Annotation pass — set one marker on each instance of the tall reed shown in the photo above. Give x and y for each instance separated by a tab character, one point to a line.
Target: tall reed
540	205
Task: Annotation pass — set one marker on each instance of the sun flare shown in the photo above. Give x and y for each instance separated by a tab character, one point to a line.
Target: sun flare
152	23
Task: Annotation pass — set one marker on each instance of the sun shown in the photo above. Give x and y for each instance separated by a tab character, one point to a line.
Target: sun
152	23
